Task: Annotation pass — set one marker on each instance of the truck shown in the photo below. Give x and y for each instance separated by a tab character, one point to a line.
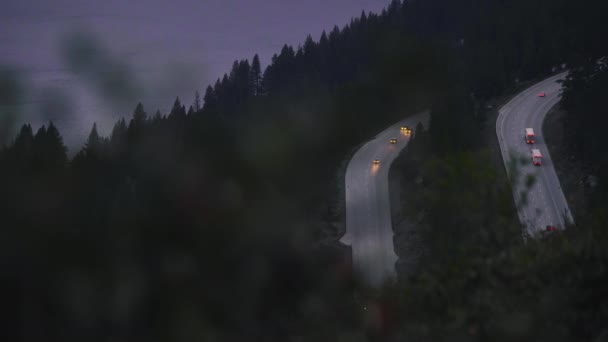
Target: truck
536	157
529	136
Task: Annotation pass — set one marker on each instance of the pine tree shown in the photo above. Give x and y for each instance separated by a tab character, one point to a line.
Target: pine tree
139	115
282	68
25	139
309	47
255	75
323	41
324	56
119	132
334	36
138	122
118	139
40	154
178	111
210	99
157	116
23	148
393	7
242	84
55	148
224	94
234	71
269	77
197	102
39	136
93	143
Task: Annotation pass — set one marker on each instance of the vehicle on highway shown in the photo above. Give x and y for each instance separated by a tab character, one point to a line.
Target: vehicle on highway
536	157
406	130
529	136
393	141
376	162
541	94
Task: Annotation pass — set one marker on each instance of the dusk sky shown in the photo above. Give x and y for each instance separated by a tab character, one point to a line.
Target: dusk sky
172	47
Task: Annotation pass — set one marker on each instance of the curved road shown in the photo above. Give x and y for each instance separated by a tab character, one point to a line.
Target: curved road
368	214
545	204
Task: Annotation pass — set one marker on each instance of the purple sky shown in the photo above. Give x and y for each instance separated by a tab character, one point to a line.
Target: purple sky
193	41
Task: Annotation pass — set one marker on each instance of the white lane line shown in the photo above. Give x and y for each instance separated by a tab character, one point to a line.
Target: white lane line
505	115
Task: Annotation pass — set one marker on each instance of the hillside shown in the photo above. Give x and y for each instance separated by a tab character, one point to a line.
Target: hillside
211	222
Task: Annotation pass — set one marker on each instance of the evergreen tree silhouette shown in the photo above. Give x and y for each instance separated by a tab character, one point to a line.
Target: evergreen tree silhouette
119	133
49	151
255	76
323	41
40	157
139	115
178	111
268	77
93	143
118	141
197	102
224	95
57	149
137	123
243	84
157	116
234	72
23	148
40	137
210	99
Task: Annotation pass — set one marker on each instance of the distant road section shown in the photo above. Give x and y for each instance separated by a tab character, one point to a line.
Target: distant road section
545	204
369	230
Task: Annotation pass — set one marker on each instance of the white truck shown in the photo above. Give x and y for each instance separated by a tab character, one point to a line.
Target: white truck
537	157
529	136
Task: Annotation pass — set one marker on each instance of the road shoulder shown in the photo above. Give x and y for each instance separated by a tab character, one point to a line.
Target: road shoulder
406	224
575	179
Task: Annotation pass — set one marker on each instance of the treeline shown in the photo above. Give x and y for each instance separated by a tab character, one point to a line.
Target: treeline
451	56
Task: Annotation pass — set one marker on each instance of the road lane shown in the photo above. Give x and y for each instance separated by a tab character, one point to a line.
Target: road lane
369	230
546	203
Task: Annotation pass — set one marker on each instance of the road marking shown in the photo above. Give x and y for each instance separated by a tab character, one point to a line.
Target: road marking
507	116
372	239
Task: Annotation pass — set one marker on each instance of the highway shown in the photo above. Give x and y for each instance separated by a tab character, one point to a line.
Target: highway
546	204
369	230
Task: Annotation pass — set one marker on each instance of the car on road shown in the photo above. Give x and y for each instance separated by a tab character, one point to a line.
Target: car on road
529	136
537	157
393	141
406	130
541	94
376	162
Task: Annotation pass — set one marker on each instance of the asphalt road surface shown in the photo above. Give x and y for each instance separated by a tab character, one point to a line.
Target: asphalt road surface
368	213
545	203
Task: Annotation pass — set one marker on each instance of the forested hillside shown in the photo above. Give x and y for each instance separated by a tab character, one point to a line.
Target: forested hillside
206	222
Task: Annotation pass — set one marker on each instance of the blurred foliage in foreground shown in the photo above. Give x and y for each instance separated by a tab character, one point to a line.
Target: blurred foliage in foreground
156	232
204	223
476	280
